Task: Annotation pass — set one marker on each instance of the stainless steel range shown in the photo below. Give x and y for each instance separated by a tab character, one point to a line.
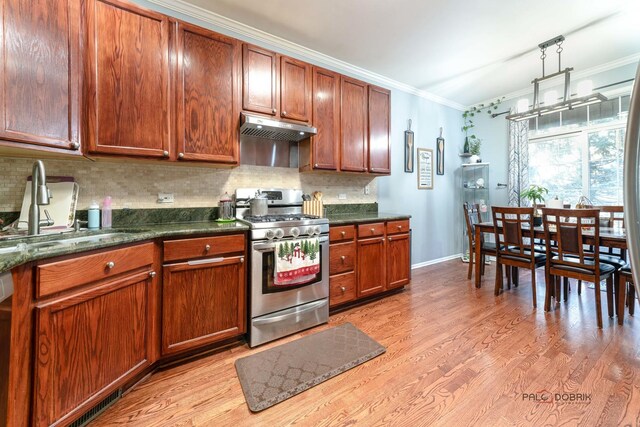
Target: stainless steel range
289	259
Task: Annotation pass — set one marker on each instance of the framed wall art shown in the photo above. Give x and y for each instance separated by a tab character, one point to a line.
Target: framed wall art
408	149
425	169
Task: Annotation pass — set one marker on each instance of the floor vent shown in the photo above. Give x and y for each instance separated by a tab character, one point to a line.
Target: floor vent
96	410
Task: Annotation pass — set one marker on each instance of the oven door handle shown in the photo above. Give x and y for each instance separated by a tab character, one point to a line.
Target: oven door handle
307	307
269	247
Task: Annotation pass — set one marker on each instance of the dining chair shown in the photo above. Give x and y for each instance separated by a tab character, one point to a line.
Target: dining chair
473	216
626	293
569	259
513	248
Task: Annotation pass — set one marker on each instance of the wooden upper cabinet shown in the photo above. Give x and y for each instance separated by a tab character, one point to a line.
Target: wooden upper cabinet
39	74
208	101
128	79
379	130
353	123
259	83
326	118
295	89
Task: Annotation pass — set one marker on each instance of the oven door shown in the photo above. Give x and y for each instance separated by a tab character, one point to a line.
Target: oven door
267	297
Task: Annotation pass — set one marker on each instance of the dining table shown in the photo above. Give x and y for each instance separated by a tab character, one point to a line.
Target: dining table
611	237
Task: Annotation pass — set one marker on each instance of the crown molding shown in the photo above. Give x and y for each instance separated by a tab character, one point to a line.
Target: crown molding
621	62
222	22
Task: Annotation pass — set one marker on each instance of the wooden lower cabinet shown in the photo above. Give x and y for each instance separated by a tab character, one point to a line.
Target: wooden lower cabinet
398	260
88	343
342	288
203	302
371	266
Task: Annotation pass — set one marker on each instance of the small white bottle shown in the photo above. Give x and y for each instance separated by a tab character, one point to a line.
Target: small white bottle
93	217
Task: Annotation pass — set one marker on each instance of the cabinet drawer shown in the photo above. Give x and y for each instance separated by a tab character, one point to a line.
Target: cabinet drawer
396	227
345	232
342	257
371	230
342	288
62	275
202	247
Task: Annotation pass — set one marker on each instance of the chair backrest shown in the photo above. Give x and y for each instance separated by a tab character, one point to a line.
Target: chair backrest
611	216
508	226
472	216
567	227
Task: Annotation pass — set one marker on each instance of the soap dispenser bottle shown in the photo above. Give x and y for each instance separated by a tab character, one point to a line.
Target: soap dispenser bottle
106	212
93	220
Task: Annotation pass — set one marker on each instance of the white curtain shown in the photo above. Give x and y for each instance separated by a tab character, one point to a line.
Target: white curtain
518	160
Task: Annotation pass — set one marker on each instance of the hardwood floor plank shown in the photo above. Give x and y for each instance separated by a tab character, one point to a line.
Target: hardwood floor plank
456	355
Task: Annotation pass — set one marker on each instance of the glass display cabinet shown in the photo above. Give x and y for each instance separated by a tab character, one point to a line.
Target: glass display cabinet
475	189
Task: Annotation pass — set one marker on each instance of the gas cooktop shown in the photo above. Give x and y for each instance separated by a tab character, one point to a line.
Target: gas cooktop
278	217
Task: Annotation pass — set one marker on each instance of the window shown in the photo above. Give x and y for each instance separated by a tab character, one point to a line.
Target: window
581	152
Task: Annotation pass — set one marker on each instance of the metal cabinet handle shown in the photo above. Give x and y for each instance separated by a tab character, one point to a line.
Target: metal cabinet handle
165	153
342	258
315	166
399	227
343	233
284	113
343	289
389	238
152	274
75	145
207	248
110	265
273	111
180	155
241	259
373	230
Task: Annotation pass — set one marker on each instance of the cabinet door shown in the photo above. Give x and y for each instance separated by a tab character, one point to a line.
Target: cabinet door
295	89
398	260
39	74
128	72
353	125
379	129
208	95
259	83
371	266
88	344
326	118
202	303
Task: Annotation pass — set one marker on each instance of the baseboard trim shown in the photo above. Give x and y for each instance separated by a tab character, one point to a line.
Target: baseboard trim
435	261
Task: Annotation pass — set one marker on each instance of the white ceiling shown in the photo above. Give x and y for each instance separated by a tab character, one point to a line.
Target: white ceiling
464	50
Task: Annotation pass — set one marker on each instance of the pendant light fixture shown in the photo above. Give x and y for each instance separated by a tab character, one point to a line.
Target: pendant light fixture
551	103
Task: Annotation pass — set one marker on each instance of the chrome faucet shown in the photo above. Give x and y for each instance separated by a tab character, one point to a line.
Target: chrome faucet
40	195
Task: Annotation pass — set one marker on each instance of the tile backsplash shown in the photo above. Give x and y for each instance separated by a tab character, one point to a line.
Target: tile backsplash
136	185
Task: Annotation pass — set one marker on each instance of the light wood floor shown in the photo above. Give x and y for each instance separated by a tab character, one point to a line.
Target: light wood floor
456	356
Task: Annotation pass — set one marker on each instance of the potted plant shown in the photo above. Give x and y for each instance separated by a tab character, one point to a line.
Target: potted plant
468	117
535	193
474	148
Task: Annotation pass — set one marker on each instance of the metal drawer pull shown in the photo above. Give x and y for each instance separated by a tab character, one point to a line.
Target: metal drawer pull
399	227
152	274
389	238
343	289
205	261
207	248
343	233
110	265
373	230
342	258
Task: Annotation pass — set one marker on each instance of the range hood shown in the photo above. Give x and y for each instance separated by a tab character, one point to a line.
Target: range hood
262	127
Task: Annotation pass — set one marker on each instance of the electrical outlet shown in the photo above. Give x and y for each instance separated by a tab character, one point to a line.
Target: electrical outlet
165	198
342	196
367	190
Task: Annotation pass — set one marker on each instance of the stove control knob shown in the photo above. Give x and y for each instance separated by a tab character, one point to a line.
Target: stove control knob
310	231
295	232
316	229
270	234
279	233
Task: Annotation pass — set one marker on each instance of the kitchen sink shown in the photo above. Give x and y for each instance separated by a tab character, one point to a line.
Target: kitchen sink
25	245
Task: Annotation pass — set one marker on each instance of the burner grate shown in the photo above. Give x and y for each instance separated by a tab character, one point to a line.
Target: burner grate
279	218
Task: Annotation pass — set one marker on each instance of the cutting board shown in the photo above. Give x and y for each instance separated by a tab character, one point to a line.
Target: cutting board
61	207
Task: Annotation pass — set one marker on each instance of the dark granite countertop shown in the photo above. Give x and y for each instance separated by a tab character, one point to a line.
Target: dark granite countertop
364	217
52	245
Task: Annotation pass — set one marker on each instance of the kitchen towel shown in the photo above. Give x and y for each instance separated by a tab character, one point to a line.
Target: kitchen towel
297	261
